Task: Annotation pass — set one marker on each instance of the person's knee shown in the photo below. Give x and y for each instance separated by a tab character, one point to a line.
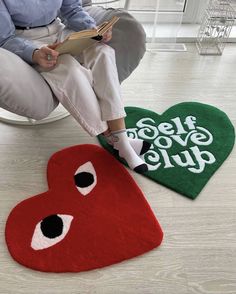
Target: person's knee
65	59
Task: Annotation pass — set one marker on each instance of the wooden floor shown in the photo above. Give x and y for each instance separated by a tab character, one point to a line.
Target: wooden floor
198	254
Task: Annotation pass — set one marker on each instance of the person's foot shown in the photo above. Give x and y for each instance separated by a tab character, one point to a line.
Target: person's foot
125	150
140	146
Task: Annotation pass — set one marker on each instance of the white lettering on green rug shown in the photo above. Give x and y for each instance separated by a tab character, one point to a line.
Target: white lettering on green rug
189	142
167	134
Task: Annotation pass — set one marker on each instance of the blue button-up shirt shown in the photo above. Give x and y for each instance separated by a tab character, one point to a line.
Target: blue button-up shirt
32	13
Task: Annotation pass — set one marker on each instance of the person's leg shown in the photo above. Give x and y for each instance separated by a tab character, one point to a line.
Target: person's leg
72	85
101	60
122	144
140	146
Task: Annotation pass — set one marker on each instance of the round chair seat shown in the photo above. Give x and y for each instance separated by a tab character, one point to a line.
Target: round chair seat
12	118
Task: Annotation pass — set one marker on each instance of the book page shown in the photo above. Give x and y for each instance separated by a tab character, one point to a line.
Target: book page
79	41
105	26
75	47
83	34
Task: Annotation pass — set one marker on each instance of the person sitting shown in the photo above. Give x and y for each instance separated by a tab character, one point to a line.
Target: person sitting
32	29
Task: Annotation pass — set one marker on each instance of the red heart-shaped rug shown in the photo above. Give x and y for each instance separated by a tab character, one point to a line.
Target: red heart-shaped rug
93	215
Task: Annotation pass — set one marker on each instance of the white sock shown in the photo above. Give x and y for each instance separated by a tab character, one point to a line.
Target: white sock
140	146
122	144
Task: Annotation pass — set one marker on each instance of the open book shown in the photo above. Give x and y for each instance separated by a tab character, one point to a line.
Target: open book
78	41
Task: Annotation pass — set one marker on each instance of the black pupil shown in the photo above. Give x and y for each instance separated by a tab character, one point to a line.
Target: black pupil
52	226
84	179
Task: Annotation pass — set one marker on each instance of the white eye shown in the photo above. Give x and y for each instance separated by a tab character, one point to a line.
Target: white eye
50	231
85	178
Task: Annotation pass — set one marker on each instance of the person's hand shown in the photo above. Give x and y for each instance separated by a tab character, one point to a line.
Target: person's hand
46	56
107	36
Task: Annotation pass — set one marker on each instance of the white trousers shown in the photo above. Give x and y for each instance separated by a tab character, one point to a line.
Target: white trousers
86	85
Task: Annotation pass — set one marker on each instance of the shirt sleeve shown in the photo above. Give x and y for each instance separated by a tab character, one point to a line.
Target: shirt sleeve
9	41
77	18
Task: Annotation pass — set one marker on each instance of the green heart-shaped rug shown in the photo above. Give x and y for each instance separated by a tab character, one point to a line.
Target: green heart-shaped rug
189	141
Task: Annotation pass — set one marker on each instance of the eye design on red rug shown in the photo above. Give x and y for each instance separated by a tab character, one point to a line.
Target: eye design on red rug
50	231
85	178
92	215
